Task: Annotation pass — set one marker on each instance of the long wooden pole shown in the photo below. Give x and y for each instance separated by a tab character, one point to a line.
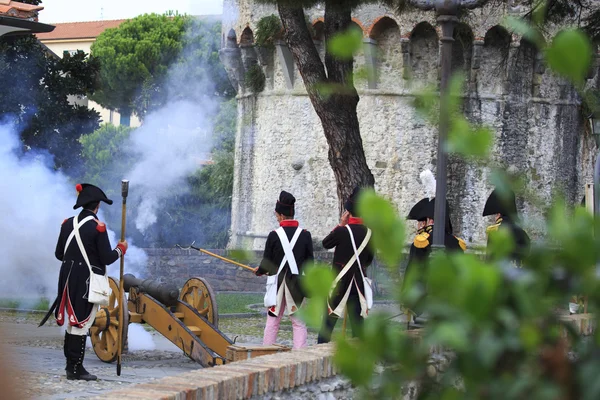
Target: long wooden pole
220	258
124	192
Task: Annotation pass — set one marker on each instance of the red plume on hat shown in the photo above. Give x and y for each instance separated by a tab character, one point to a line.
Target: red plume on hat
79	188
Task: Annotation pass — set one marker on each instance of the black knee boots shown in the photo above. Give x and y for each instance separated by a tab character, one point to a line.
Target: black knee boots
75	353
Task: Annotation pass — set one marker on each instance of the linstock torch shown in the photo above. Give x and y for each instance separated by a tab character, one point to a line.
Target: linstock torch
124	193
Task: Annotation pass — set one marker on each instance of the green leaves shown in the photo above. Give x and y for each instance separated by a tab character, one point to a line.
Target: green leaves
153	57
388	230
465	139
570	55
316	283
344	45
268	29
570	52
522	28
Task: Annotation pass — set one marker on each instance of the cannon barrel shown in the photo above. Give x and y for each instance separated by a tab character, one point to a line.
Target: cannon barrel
166	293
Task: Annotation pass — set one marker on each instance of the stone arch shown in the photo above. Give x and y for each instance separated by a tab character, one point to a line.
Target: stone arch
318	29
424	53
462	49
520	80
357	24
231	40
380	25
389	51
494	60
247	37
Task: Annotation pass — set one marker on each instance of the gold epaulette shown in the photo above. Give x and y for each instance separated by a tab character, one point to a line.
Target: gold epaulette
492	228
421	240
462	243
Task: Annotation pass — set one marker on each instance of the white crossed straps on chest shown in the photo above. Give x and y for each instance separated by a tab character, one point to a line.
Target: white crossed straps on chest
354	258
76	226
288	247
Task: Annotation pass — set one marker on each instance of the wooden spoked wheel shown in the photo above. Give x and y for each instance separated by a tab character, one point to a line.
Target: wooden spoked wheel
199	295
104	333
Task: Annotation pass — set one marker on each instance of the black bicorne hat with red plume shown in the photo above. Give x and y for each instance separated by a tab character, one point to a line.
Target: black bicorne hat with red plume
87	193
285	204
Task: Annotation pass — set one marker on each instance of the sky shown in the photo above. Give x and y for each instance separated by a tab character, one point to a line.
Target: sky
93	10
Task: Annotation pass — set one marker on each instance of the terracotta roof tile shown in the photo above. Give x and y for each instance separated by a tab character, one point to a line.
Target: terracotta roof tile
19	10
79	30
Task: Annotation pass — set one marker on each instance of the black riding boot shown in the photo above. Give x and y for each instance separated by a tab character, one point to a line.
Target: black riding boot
75	359
66	352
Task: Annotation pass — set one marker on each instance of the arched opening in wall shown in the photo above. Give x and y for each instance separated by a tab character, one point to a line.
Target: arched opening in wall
389	52
462	50
231	40
424	52
318	30
355	24
359	58
493	61
520	79
247	38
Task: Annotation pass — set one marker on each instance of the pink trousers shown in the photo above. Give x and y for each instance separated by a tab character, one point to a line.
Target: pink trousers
299	331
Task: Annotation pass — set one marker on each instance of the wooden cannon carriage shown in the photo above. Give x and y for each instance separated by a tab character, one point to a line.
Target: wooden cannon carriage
188	318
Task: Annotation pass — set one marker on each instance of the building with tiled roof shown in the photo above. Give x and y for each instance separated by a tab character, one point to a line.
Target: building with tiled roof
79	31
19	10
71	37
20	18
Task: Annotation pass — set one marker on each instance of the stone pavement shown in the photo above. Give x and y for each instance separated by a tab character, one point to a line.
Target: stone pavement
38	363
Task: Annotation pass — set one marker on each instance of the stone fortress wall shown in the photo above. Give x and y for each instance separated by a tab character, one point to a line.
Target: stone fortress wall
536	116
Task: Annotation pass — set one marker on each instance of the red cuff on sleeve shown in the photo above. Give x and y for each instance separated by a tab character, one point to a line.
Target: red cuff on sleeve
122	249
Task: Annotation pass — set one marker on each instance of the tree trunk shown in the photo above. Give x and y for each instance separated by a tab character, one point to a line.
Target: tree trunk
336	110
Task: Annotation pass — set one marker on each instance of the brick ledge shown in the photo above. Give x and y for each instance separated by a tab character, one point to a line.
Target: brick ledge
239	380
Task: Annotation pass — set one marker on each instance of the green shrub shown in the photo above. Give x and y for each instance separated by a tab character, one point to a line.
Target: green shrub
268	29
255	79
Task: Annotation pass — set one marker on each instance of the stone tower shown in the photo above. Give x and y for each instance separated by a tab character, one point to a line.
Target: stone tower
539	129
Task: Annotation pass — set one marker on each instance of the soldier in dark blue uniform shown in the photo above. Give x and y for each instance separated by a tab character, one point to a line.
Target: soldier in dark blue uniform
73	306
504	208
286	293
420	249
349	291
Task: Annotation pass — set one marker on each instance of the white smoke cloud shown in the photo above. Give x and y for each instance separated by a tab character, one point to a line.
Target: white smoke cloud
170	146
34	202
139	339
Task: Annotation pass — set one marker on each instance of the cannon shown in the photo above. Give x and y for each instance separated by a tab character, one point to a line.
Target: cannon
165	293
188	318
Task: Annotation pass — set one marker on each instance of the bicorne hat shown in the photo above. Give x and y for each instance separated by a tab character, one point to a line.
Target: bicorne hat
285	204
501	203
87	194
417	213
429	212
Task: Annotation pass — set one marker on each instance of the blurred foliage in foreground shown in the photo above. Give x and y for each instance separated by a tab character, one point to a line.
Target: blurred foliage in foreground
498	326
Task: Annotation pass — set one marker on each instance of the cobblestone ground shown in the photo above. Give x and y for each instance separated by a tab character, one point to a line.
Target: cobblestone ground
37	361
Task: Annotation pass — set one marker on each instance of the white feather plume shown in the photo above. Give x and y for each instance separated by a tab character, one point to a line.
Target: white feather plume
428	182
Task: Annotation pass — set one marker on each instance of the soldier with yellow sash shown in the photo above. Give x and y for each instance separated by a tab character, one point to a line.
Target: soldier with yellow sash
503	207
423	213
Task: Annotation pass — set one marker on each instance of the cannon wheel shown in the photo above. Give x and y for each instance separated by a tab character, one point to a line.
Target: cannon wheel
199	295
104	333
